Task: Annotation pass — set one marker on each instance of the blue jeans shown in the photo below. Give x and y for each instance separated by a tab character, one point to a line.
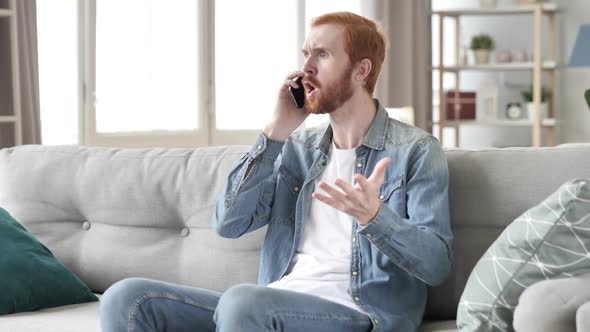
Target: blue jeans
138	304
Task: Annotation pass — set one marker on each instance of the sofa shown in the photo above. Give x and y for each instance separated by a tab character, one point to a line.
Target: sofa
113	213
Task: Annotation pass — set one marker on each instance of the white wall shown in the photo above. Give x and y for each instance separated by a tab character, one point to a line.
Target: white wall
512	33
573	111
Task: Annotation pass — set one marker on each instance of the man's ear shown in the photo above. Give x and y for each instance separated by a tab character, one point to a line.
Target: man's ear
363	69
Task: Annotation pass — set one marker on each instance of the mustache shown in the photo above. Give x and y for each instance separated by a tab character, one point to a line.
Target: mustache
312	81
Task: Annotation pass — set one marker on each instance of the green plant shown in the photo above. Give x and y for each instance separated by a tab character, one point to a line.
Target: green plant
527	95
482	42
587	96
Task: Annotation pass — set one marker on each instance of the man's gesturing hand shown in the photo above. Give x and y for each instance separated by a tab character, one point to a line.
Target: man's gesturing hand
361	200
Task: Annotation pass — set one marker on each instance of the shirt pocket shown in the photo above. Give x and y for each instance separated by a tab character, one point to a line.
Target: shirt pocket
291	180
287	191
392	193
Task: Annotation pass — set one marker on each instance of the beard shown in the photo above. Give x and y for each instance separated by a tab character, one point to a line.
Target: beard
331	96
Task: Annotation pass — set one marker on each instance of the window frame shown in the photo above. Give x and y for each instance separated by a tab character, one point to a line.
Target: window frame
207	134
161	138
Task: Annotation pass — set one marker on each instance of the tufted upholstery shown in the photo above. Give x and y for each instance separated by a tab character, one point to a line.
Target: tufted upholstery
108	214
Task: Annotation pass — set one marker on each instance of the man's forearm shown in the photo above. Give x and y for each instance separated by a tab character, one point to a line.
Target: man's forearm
249	190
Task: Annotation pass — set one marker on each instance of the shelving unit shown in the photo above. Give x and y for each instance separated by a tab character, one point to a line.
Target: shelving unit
10	107
538	66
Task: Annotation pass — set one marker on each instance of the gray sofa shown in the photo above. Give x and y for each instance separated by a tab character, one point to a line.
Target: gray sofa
109	214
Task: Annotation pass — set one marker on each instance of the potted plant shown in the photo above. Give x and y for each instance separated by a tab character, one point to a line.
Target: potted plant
587	96
527	95
482	45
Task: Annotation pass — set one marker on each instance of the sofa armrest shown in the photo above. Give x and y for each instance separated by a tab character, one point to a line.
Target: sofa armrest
583	317
552	305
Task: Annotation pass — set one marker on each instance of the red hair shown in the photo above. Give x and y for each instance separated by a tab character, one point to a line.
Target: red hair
363	39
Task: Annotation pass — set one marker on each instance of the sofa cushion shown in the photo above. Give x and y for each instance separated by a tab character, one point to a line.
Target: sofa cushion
69	318
546	242
439	326
32	278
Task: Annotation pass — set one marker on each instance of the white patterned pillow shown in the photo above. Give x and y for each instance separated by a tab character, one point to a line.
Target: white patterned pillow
551	240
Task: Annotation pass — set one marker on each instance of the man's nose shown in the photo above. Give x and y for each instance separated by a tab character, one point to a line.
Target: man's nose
309	68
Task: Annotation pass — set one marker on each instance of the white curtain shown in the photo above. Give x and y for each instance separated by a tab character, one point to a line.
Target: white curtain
26	16
405	78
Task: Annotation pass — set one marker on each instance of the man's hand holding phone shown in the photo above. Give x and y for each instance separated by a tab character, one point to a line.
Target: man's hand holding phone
287	115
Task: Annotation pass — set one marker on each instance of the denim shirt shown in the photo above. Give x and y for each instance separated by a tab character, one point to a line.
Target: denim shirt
404	249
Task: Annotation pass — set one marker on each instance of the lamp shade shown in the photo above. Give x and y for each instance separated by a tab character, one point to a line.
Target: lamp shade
581	53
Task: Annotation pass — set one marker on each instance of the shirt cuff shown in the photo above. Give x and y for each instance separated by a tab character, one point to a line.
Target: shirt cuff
384	223
267	148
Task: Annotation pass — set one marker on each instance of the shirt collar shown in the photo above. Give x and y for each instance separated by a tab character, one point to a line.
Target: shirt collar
375	137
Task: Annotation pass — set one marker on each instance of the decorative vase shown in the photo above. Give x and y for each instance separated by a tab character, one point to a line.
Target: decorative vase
482	56
503	56
531	110
521	55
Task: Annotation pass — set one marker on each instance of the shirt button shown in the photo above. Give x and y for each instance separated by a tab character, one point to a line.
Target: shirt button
259	147
296	189
356	299
369	235
376	322
359	165
354	273
354	239
381	197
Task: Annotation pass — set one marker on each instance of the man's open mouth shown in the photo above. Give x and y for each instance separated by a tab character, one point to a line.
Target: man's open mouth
309	88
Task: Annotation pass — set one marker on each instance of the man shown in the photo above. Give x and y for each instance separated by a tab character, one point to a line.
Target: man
357	211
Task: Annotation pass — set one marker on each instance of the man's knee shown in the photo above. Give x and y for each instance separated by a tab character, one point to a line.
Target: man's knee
125	292
118	300
239	304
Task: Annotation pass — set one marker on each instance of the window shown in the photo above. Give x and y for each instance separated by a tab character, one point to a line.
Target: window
172	73
146	65
57	38
252	57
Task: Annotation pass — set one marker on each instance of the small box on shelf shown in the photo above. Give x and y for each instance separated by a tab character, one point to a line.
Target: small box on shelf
460	106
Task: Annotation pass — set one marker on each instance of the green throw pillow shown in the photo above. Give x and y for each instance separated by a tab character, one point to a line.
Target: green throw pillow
31	278
551	240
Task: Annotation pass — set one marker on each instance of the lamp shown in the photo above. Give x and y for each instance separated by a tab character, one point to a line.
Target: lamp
581	53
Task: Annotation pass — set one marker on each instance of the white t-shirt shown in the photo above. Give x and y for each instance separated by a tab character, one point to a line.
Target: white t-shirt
321	265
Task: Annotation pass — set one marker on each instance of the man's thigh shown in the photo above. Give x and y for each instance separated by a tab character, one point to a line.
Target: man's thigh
138	304
257	308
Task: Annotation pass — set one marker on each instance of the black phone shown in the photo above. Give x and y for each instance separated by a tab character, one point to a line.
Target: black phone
299	93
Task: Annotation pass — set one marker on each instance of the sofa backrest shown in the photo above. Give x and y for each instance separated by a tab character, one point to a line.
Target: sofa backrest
110	213
488	189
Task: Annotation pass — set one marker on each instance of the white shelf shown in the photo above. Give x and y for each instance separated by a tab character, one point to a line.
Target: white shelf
509	66
8	118
549	122
6	12
512	10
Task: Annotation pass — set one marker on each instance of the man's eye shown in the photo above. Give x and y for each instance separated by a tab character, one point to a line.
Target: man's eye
323	55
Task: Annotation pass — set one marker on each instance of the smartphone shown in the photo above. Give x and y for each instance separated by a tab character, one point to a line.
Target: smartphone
299	93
